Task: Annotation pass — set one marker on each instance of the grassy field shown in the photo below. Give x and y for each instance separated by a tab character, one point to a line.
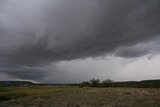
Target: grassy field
71	96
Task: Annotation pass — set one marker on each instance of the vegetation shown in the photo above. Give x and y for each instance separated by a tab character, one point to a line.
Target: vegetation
107	83
73	96
93	83
96	83
86	94
110	83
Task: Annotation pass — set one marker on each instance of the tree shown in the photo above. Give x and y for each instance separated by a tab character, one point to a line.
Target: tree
107	83
84	84
94	82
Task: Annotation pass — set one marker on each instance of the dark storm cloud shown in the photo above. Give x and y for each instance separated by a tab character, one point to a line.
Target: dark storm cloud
36	33
135	51
25	73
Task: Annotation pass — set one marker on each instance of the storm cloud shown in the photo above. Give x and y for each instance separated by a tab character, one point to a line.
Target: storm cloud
37	33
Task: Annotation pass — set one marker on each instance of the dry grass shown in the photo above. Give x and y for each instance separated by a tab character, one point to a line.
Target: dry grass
63	96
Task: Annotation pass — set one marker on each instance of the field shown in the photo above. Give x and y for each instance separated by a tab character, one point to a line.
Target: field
72	96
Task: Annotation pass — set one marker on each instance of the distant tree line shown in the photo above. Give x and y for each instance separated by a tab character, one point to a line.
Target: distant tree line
96	83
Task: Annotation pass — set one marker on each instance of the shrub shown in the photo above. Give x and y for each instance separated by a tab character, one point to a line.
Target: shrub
84	84
94	82
107	83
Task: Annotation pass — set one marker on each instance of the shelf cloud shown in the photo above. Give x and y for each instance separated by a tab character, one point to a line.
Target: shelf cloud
37	33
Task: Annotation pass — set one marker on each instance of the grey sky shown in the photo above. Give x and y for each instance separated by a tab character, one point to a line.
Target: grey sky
36	36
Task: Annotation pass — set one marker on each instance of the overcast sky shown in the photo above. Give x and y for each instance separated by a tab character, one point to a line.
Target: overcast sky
64	41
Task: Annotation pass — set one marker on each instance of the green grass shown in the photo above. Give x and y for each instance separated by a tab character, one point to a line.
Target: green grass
70	96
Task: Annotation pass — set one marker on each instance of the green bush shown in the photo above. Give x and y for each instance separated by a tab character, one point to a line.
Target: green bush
84	84
106	83
94	82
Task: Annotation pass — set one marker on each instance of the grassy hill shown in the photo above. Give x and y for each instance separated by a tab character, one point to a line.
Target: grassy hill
132	84
140	84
